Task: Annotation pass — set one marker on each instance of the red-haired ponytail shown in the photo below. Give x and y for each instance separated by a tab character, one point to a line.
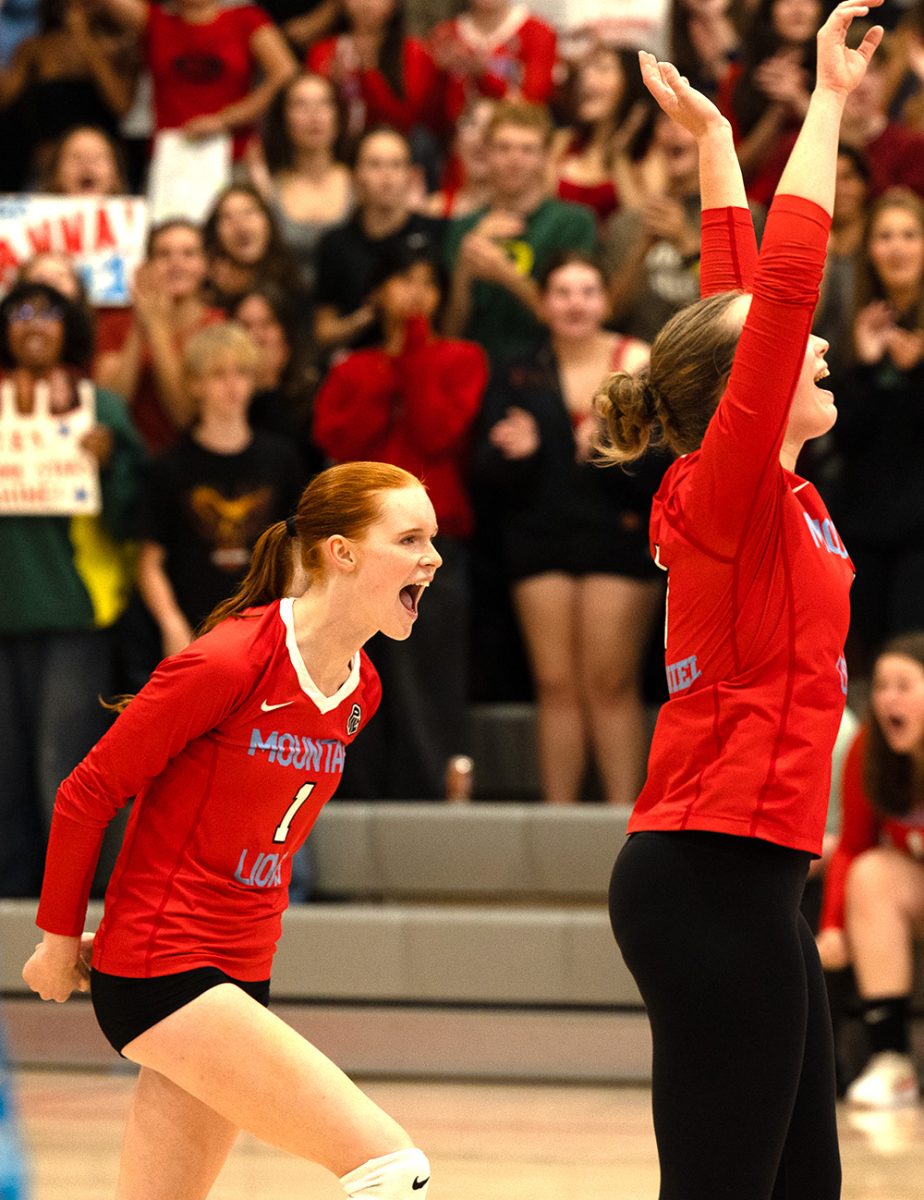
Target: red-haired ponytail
341	500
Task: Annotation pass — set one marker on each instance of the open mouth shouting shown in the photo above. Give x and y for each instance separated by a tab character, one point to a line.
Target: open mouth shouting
411	594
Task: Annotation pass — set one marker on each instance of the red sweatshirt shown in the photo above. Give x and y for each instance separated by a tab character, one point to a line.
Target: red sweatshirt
862	828
415	410
231	751
758	578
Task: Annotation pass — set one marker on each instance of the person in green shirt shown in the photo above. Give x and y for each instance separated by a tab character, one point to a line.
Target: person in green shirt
65	580
496	254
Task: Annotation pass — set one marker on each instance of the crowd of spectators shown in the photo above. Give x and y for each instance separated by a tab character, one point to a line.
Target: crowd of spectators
439	228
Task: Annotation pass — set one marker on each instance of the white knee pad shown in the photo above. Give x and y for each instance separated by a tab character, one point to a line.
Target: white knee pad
403	1175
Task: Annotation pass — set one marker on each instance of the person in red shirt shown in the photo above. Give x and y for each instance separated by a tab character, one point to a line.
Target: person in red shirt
704	898
873	905
494	49
231	750
139	349
202	57
413	401
383	76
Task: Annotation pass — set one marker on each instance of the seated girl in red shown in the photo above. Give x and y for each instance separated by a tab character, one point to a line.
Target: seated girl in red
873	906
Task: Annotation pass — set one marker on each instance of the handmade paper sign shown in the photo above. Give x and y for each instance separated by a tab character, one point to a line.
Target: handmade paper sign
43	470
103	235
186	175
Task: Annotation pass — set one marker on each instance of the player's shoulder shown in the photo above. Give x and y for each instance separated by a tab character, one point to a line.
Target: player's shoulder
240	642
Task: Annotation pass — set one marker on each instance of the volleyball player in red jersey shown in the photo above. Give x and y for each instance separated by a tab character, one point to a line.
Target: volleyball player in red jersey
705	894
231	749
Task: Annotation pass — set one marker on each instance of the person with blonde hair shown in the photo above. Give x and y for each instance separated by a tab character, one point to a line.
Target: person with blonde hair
208	499
704	898
231	750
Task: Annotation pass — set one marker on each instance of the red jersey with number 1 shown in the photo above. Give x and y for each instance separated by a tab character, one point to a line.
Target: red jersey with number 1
231	751
758	577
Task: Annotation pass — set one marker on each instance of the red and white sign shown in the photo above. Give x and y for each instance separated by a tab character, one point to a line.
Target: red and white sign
104	235
43	470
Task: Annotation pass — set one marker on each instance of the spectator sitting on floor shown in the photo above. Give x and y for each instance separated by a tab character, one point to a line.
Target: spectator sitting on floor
873	907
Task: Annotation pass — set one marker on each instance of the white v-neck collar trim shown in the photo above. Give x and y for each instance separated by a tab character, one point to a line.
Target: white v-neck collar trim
487	42
325	704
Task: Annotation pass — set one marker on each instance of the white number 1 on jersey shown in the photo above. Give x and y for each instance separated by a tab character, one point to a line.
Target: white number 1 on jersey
282	829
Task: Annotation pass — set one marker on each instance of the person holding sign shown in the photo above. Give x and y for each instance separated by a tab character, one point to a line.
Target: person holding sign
69	469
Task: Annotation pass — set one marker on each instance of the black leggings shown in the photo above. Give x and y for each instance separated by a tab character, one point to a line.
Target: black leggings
743	1087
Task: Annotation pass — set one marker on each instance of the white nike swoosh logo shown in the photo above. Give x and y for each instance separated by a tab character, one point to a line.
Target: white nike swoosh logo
269	707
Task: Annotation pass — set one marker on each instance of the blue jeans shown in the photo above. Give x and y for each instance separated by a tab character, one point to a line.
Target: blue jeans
50	717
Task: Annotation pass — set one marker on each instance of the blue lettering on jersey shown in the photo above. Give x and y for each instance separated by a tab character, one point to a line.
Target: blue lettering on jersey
825	536
680	675
842	671
320	757
265	870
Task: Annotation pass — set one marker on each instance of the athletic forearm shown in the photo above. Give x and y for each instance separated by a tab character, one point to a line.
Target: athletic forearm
810	171
720	181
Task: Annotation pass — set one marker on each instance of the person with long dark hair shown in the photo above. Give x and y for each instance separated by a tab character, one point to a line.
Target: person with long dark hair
231	750
704	898
873	905
244	245
383	76
302	176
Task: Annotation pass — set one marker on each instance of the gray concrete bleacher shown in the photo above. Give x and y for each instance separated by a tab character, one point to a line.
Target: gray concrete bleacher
442	939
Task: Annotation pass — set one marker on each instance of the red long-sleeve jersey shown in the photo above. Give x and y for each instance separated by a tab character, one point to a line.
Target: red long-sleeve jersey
862	828
231	751
758	577
414	409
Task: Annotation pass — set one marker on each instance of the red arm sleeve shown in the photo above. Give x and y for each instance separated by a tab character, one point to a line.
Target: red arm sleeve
728	255
442	383
859	832
739	460
186	696
539	49
320	57
417	104
354	407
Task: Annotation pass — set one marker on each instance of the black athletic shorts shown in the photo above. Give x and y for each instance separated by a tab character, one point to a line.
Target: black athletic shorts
127	1007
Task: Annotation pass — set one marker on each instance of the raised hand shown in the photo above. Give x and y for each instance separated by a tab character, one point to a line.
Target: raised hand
675	97
840	69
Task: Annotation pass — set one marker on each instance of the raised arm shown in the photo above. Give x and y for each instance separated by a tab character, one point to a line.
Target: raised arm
729	248
811	167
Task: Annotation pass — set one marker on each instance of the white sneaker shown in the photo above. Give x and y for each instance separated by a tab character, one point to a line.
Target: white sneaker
889	1081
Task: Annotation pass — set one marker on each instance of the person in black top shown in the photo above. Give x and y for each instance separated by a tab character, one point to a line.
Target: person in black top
349	254
210	497
574	539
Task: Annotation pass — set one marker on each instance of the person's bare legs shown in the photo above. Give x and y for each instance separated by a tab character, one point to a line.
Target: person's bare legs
885	912
614	624
174	1145
545	606
222	1063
